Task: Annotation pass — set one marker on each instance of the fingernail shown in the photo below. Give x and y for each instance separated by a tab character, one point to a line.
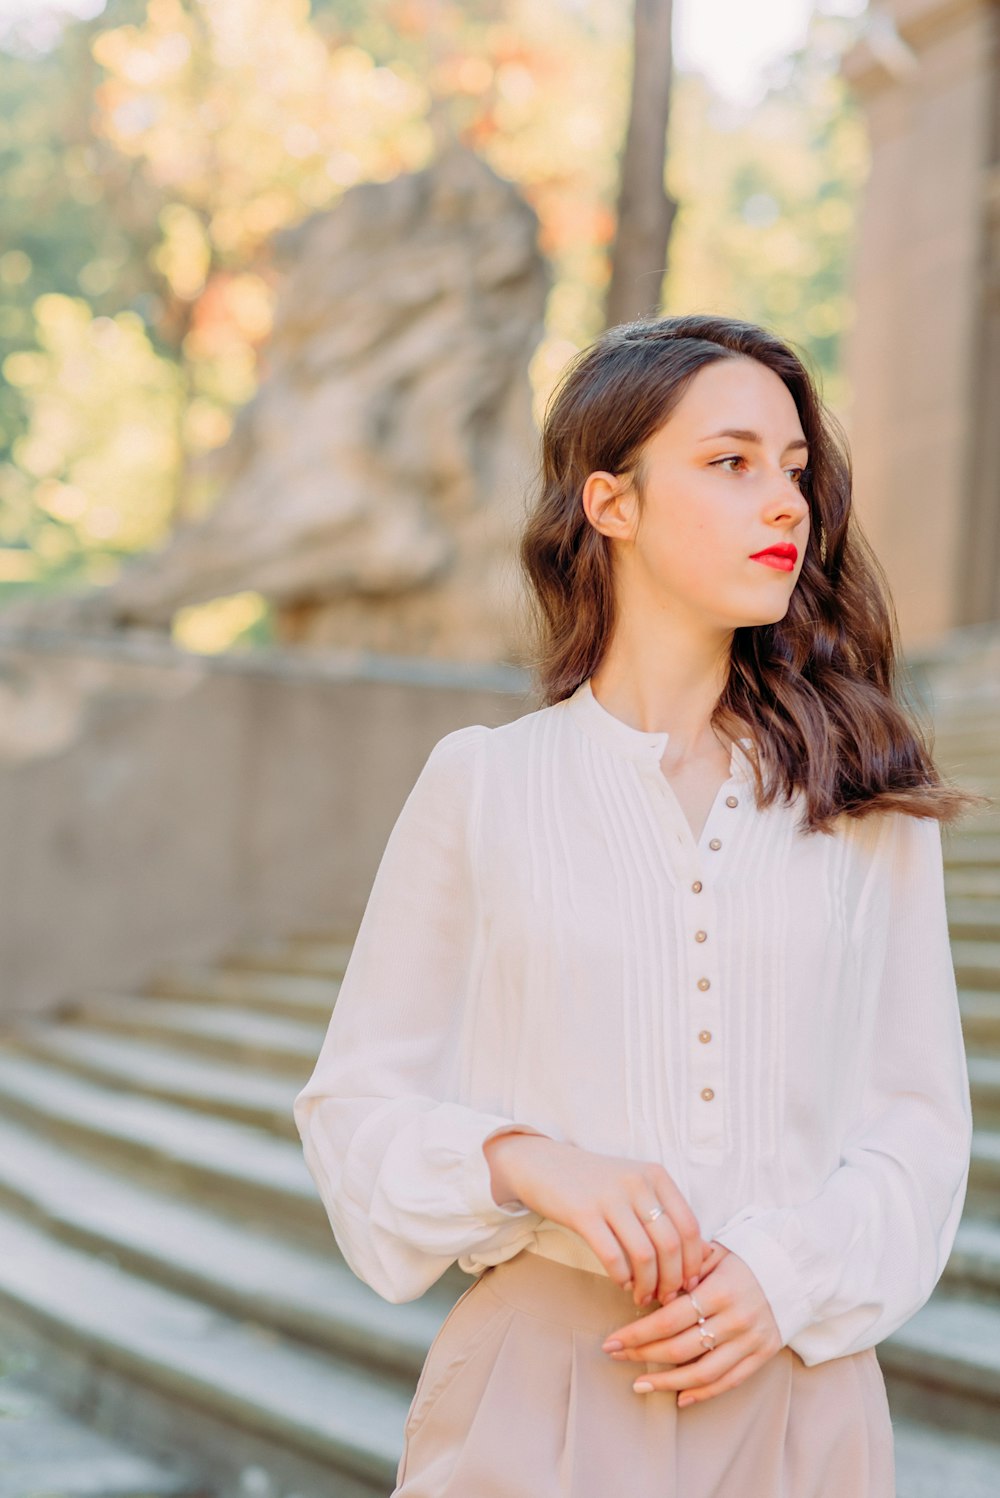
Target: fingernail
612	1345
628	1284
642	1387
646	1299
691	1284
684	1399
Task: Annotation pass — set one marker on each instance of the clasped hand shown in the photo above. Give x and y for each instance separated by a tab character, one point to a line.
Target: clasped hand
640	1227
736	1312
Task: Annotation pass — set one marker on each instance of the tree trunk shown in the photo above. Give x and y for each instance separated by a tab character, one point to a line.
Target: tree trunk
645	209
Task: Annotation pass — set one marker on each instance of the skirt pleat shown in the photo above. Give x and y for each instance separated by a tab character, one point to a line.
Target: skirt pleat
517	1400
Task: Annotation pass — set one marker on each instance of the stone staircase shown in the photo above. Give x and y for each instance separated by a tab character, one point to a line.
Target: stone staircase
168	1278
167	1271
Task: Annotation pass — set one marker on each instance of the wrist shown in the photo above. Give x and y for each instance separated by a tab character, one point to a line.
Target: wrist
497	1151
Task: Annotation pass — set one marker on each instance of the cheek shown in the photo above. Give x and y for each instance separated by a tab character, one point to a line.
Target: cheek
697	544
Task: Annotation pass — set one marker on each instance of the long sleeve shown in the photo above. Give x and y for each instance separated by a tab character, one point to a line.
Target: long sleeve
846	1268
397	1159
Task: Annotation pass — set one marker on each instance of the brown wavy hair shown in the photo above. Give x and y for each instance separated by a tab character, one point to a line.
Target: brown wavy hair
819	691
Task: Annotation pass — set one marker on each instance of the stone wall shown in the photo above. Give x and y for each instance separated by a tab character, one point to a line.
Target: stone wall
156	805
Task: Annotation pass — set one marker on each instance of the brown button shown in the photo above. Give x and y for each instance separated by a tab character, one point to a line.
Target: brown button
696	886
704	983
704	1036
715	843
700	935
732	801
707	1094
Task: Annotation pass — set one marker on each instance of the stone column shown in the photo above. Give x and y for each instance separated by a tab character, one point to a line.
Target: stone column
924	351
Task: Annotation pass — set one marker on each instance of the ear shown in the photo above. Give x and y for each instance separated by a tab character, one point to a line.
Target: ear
610	504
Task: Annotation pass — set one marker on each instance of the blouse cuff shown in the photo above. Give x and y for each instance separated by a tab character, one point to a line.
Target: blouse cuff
775	1271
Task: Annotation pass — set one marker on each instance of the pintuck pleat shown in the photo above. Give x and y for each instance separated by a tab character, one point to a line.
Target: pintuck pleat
517	1400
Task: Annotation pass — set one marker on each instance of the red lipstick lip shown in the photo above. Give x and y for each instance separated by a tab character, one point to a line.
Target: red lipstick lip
788	551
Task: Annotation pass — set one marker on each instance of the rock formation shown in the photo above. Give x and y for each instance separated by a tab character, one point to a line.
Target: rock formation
372	488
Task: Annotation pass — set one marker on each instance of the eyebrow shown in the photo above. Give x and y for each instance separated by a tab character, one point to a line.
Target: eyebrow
747	436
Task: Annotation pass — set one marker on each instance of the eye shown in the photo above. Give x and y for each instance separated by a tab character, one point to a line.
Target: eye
738	458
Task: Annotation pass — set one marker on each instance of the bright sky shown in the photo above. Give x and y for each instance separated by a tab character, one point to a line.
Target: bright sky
729	41
732	41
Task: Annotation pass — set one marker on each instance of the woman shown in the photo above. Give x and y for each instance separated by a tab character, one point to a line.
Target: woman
651	1020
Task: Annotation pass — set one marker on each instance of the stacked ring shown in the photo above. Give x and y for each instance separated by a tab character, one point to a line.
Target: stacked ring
700	1322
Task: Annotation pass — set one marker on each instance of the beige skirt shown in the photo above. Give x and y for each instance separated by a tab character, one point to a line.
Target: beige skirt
517	1400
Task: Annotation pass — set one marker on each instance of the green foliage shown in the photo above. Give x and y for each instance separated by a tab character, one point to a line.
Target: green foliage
148	158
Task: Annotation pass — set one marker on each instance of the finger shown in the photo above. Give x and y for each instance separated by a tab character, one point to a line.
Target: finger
670	1257
598	1235
714	1255
659	1325
677	1351
736	1375
685	1225
705	1371
681	1346
640	1249
665	1237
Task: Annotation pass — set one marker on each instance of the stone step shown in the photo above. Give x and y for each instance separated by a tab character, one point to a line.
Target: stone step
973	1268
239	1377
983	1197
974	917
321	955
309	1294
289	995
975	851
977	964
43	1450
980	1015
941	1464
133	1065
972	883
287	1046
943	1365
984	1084
243	1170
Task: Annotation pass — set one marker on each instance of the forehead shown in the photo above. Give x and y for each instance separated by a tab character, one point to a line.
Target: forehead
734	393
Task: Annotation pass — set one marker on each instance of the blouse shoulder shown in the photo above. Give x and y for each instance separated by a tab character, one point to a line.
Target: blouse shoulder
456	757
448	789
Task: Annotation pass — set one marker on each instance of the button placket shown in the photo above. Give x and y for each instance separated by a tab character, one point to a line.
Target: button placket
702	998
702	1015
705	1105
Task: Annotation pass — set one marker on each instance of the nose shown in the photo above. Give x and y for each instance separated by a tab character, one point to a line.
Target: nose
788	500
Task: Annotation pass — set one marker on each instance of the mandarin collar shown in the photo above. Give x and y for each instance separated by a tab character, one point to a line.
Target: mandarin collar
615	734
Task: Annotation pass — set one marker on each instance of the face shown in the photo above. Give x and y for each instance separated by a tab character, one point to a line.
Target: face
711	502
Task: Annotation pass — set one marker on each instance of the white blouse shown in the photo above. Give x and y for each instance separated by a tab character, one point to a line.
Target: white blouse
769	1014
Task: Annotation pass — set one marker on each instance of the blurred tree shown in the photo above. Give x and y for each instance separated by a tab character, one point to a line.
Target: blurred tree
645	208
